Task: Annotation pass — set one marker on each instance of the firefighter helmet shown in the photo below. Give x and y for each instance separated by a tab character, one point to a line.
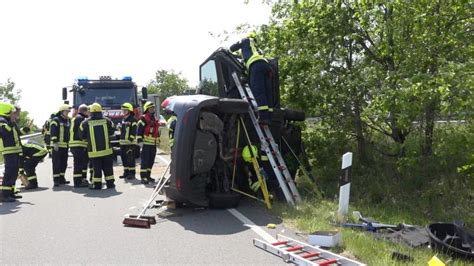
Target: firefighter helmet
6	109
147	106
64	107
127	106
247	155
95	108
252	35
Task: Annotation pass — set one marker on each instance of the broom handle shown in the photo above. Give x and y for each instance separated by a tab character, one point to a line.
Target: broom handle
156	191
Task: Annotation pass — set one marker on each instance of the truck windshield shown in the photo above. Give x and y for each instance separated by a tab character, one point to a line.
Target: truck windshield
107	97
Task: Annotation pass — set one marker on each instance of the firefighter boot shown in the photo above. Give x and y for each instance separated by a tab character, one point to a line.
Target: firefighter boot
125	174
131	175
6	196
80	182
96	186
110	184
63	181
15	193
32	184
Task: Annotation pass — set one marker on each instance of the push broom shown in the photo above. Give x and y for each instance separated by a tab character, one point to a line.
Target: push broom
145	221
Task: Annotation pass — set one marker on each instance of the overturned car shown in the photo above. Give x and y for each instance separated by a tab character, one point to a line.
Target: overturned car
212	128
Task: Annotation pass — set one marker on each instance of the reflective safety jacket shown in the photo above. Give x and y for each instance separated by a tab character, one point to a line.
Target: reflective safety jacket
33	150
128	130
97	130
75	134
59	128
148	130
249	50
9	137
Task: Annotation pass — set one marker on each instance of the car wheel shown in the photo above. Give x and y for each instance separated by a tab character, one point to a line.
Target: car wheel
224	200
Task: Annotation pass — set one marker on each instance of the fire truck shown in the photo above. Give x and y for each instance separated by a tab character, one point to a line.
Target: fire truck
110	94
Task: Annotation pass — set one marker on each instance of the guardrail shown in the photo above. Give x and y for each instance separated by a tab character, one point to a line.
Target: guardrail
23	138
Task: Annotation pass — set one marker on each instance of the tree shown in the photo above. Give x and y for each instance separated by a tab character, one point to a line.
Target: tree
372	70
168	83
8	92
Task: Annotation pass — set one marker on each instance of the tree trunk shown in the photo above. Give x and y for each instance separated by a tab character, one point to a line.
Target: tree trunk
358	128
427	149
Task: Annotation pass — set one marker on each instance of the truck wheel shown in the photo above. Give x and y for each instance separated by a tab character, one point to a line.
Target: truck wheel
224	200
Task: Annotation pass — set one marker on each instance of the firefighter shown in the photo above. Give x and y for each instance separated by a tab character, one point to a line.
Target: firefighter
97	130
10	147
260	75
250	153
79	148
148	138
59	127
47	133
127	141
33	154
167	107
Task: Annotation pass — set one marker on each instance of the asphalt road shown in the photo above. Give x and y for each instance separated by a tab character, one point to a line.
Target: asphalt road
66	225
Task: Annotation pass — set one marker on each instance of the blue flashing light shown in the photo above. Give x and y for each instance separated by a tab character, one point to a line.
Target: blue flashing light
127	78
82	78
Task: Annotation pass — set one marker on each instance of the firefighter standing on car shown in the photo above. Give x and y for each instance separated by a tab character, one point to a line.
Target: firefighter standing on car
260	75
98	130
33	154
148	138
10	147
79	148
127	141
59	127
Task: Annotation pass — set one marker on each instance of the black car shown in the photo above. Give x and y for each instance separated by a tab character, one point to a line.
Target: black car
207	167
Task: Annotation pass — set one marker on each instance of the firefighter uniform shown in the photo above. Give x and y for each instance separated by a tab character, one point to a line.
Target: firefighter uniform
79	149
47	132
260	74
127	141
60	127
33	153
10	147
148	135
171	124
97	130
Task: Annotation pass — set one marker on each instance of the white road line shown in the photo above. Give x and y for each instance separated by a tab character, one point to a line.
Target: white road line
246	221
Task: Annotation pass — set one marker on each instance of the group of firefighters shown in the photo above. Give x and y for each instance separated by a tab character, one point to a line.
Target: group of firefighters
87	135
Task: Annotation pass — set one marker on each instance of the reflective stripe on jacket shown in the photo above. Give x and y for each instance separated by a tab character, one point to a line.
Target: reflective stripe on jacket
128	130
9	137
59	128
75	134
148	129
97	130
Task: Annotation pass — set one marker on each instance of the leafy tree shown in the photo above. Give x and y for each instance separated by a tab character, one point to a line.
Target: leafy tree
168	83
372	70
12	95
8	92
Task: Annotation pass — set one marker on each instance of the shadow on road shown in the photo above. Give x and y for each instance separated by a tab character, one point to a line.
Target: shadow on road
103	193
218	221
63	188
23	190
12	207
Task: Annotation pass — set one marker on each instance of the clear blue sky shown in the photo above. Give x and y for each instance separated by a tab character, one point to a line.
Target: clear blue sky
47	44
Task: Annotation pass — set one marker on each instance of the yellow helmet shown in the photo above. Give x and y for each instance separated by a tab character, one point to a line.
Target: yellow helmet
247	155
147	106
252	35
95	108
64	107
6	109
127	106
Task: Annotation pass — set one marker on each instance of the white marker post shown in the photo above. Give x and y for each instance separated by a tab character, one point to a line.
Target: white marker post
345	184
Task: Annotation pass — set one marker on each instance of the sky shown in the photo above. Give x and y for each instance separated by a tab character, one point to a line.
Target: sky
47	44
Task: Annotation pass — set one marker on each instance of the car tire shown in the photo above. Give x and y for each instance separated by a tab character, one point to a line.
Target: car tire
224	200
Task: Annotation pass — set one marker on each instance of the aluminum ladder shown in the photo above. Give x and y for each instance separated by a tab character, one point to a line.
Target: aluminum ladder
300	253
280	169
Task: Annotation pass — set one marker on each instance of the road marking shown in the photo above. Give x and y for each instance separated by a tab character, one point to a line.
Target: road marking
246	221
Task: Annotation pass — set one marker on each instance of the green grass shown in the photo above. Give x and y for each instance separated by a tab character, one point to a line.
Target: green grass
313	215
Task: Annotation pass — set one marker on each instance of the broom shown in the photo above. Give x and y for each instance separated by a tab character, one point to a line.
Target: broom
145	221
